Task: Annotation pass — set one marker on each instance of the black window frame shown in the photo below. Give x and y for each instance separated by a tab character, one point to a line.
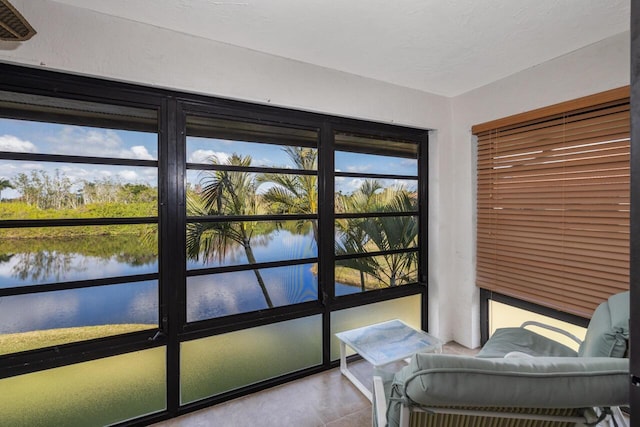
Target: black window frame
172	108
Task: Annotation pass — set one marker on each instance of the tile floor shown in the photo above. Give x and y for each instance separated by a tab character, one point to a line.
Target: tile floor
325	399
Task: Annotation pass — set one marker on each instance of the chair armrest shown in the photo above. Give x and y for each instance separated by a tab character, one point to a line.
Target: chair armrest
552	328
380	402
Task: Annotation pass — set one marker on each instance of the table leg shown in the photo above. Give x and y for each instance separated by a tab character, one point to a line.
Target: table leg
344	369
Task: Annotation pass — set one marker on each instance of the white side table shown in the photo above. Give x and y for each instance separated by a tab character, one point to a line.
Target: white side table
384	343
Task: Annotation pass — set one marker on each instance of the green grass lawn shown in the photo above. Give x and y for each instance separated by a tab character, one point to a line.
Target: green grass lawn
13	343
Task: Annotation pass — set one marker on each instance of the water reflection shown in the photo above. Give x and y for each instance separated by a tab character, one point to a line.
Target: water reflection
49	260
223	294
277	245
38	261
128	303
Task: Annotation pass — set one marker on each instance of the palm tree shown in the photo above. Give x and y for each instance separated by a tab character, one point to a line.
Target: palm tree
4	184
225	193
351	237
390	233
294	193
384	233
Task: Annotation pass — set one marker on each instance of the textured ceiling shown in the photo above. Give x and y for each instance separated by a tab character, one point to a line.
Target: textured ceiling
445	47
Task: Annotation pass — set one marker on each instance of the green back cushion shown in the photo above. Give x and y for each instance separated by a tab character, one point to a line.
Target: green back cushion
608	329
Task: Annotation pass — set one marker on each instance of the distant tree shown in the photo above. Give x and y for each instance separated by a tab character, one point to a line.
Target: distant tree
137	193
45	191
102	191
4	184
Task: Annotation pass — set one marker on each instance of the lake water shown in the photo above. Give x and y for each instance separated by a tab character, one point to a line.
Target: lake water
208	296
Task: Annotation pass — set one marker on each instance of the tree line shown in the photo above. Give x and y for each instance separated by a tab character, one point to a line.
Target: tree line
58	191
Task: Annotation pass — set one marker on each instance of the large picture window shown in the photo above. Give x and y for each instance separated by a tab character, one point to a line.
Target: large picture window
187	234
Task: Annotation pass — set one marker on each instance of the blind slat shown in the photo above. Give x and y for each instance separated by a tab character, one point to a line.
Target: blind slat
615	260
606	241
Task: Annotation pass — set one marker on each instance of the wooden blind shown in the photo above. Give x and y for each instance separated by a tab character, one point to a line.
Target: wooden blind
553	204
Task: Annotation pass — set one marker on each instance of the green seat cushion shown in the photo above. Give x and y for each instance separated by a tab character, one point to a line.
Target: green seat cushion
506	340
542	382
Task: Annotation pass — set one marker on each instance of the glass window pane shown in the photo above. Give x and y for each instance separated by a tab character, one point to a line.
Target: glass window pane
71	111
370	163
50	318
360	195
220	363
378	272
246	193
215	244
220	151
222	294
243	131
24	136
407	309
345	141
37	190
37	255
100	392
360	235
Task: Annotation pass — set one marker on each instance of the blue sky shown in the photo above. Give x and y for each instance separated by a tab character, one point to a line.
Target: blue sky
50	138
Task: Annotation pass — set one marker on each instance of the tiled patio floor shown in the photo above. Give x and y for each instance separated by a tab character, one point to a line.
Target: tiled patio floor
325	399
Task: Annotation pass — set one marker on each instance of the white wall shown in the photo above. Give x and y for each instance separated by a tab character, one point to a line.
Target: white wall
84	42
88	43
596	68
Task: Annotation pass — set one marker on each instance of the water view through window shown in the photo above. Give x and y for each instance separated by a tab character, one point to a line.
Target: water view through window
234	170
153	246
81	261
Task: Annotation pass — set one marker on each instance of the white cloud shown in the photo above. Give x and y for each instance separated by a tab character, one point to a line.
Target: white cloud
140	152
102	138
409	162
128	175
360	168
5	167
31	166
268	162
145	305
348	185
15	144
204	156
81	141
